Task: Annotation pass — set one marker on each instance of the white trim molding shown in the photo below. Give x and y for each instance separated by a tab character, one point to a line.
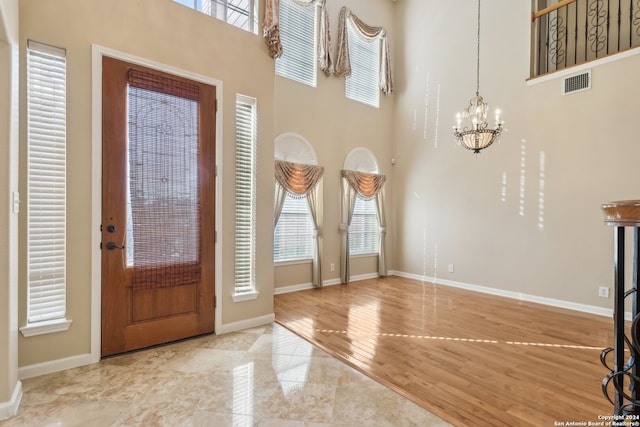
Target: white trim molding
10	408
367	276
303	286
97	52
245	324
292	288
331	282
48	327
245	296
592	309
57	365
576	69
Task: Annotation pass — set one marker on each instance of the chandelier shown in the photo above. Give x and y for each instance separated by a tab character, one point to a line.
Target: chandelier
479	136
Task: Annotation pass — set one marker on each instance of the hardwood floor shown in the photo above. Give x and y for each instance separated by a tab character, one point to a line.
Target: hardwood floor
470	358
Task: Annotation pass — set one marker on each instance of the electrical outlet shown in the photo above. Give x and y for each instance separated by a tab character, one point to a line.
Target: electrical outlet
332	267
451	269
603	292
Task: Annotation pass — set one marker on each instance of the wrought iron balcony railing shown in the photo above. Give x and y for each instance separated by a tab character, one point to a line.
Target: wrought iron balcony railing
573	32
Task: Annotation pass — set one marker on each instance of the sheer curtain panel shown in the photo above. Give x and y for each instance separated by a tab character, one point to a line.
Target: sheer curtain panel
301	180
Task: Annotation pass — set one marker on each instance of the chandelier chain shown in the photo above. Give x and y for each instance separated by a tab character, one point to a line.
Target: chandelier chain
478	56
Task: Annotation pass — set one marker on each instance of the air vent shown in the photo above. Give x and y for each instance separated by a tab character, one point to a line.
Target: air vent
576	83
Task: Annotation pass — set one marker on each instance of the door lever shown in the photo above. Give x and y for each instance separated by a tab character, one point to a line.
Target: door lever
112	245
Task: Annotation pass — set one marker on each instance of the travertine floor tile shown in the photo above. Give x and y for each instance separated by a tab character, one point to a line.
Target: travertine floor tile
260	377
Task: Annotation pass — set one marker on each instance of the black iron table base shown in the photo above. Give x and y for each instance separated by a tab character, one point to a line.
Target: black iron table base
621	386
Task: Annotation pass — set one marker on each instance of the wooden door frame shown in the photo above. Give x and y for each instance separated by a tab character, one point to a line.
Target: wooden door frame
96	187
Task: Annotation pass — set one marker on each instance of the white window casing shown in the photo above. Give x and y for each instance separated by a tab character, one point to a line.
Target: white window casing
363	85
245	199
239	13
364	230
298	34
46	190
294	235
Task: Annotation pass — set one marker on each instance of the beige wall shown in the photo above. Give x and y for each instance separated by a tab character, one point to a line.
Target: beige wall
9	220
444	205
167	33
334	126
142	31
547	238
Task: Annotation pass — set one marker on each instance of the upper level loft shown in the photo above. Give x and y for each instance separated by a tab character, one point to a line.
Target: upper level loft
566	33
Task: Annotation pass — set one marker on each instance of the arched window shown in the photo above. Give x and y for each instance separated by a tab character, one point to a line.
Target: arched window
362	222
363	229
298	216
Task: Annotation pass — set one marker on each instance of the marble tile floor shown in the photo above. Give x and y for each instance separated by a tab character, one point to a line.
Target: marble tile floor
265	376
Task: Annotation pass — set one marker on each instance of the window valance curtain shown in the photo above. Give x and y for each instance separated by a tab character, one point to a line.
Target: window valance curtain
302	180
366	186
298	179
343	62
271	32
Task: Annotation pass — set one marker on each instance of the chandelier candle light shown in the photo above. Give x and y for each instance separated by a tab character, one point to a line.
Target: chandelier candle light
478	136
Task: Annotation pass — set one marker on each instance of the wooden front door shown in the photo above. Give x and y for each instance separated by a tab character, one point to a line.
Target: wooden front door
158	207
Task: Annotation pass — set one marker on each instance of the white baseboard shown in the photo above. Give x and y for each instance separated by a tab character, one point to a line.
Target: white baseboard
592	309
85	359
10	408
331	282
303	287
245	324
292	288
54	366
364	277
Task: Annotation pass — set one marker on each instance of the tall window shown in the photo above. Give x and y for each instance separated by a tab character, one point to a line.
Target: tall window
239	13
364	230
245	225
299	48
364	83
293	235
46	183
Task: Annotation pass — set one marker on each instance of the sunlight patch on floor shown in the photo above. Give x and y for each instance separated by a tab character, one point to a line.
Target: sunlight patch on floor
458	339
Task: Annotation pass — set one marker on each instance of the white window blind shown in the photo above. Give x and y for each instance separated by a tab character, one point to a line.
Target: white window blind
298	37
364	229
239	13
46	183
245	222
293	235
363	84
